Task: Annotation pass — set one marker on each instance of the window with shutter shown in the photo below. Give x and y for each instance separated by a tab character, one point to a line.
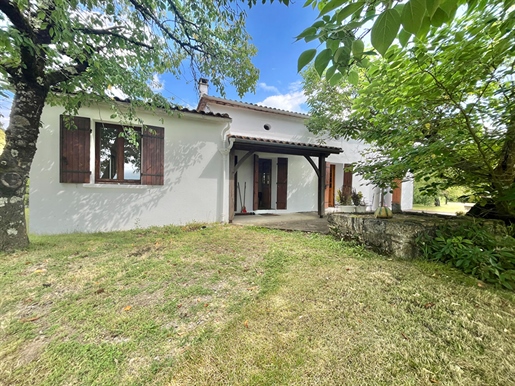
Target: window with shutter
129	155
152	156
117	154
75	134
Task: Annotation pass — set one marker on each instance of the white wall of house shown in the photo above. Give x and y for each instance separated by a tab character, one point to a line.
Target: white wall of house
193	183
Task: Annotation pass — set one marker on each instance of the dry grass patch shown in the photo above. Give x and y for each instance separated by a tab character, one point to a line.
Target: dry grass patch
231	305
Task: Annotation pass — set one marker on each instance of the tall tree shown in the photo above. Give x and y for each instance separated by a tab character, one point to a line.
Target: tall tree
443	109
81	48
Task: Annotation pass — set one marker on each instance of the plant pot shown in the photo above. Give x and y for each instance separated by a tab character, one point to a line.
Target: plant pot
347	209
383	212
361	209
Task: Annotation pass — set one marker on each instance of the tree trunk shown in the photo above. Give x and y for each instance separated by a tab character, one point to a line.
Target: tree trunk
15	161
504	173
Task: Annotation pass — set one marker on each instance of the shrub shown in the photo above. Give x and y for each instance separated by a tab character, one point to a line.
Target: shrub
473	249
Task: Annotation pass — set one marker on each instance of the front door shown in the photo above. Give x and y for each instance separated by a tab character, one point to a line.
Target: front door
265	184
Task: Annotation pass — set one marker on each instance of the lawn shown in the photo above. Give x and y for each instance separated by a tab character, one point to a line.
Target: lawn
227	305
450	207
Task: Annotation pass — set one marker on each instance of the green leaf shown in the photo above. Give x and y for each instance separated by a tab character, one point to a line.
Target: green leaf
330	72
432	6
342	56
357	48
385	30
332	44
307	32
322	60
335	79
449	7
404	37
349	10
332	5
353	78
306	57
412	15
424	29
439	18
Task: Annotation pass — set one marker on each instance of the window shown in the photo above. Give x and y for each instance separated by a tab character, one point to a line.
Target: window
118	158
118	154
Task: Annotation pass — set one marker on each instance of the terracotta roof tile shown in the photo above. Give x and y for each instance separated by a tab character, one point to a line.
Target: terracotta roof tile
270	140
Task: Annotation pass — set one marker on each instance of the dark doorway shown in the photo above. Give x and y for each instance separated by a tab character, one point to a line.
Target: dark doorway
265	184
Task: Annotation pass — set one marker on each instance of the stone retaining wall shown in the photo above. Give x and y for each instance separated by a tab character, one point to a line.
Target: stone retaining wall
392	237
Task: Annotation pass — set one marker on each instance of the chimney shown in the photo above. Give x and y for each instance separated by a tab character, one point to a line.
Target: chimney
203	86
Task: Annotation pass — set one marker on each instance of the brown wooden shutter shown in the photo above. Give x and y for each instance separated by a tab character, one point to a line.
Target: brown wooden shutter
152	156
397	192
327	184
282	182
347	179
256	183
74	150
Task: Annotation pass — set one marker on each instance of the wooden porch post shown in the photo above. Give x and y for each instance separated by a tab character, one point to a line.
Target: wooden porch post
232	155
321	186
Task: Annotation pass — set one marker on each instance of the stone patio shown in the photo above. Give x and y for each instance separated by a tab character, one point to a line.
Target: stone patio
304	222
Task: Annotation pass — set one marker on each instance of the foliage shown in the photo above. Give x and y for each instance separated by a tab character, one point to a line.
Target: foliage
475	250
442	109
343	196
356	197
342	25
420	198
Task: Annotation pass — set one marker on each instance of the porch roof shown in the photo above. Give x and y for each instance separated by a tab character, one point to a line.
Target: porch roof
268	145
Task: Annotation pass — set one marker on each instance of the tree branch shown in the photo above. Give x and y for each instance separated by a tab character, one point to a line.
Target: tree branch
148	15
61	75
16	17
110	32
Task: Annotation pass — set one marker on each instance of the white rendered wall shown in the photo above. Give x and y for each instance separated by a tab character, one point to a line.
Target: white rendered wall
192	191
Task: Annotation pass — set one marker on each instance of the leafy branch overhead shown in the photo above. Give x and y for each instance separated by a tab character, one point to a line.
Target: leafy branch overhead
441	108
342	24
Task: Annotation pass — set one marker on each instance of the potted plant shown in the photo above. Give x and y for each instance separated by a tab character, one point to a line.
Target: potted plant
344	198
357	200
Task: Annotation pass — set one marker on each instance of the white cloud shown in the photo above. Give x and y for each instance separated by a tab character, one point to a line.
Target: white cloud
115	92
156	84
266	87
295	86
291	101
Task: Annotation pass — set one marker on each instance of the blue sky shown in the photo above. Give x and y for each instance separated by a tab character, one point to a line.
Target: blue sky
273	28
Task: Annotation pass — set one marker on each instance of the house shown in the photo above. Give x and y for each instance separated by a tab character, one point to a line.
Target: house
199	165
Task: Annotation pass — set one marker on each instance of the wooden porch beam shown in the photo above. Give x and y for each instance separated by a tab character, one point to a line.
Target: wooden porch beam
240	162
232	193
313	164
321	186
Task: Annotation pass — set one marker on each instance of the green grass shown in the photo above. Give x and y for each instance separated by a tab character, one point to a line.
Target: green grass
450	207
243	306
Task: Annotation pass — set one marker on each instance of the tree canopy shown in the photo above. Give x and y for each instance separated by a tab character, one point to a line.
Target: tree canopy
442	108
342	25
